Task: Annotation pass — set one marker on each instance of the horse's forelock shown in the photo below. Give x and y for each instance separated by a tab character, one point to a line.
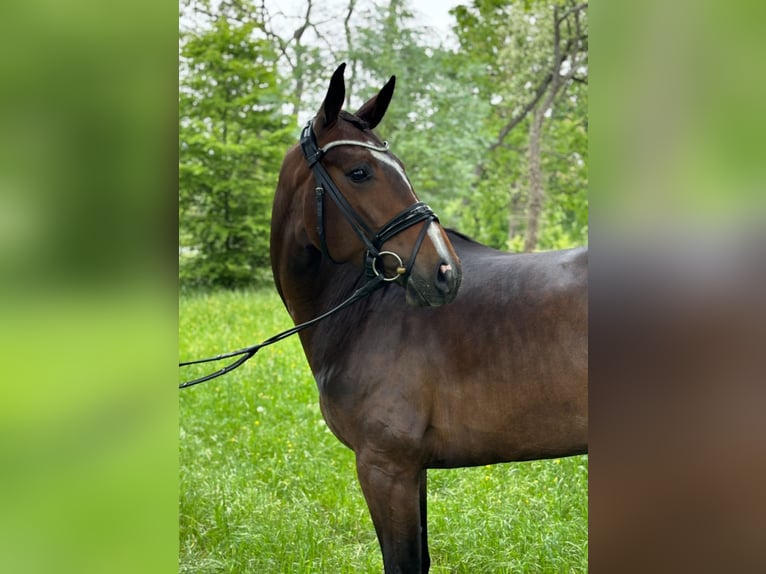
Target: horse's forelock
354	120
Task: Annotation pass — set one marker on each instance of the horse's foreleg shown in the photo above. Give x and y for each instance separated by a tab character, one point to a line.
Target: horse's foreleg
393	495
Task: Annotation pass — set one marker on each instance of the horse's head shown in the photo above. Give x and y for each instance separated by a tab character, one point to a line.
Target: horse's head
358	205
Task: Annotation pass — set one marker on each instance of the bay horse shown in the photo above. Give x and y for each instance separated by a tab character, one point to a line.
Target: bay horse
481	359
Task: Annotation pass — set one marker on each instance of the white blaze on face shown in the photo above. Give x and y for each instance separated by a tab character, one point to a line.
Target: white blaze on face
391	162
433	232
436	237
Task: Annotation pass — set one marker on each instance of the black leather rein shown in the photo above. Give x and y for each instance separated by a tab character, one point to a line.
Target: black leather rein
373	242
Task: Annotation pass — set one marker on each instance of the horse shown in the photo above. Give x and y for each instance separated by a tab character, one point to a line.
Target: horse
464	356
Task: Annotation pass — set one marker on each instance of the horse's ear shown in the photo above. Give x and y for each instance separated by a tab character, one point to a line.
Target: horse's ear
333	101
375	108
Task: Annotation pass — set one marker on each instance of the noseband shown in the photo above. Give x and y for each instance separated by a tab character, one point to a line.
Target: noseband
373	241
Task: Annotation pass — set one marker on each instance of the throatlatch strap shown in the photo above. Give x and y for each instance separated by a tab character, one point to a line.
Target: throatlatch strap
319	192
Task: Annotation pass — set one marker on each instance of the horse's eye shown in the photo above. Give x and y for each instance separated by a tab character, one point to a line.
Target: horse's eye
359	174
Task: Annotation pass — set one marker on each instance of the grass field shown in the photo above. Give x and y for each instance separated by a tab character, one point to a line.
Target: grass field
266	488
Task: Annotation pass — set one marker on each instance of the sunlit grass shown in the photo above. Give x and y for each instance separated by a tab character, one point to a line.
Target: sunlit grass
265	487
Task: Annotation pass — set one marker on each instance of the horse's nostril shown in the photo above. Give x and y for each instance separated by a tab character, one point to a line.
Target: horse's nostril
444	277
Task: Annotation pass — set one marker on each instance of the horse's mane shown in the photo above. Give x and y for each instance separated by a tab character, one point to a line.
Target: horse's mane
461	235
351	118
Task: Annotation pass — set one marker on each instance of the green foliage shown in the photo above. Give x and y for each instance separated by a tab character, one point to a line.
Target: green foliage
512	47
233	136
266	487
566	165
432	119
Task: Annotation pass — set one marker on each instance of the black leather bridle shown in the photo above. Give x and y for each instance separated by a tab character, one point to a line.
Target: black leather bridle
373	241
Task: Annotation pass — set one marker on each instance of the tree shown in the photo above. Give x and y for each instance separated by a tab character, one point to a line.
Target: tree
534	62
233	135
432	122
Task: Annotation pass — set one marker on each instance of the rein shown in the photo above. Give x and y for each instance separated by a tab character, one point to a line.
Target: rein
414	214
248	352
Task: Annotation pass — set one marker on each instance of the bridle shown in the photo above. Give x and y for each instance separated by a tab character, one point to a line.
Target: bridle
373	241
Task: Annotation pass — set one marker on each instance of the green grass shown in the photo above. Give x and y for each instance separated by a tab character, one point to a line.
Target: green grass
266	488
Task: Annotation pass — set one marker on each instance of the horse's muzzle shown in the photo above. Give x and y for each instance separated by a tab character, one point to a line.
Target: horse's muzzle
440	288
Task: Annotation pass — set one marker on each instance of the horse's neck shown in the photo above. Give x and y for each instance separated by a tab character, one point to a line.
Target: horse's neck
310	286
308	295
294	265
300	285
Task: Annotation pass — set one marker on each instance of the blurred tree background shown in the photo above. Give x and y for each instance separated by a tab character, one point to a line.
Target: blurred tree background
490	121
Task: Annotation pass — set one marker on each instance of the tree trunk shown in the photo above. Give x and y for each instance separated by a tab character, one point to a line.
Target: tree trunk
514	212
572	47
350	46
536	193
298	67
